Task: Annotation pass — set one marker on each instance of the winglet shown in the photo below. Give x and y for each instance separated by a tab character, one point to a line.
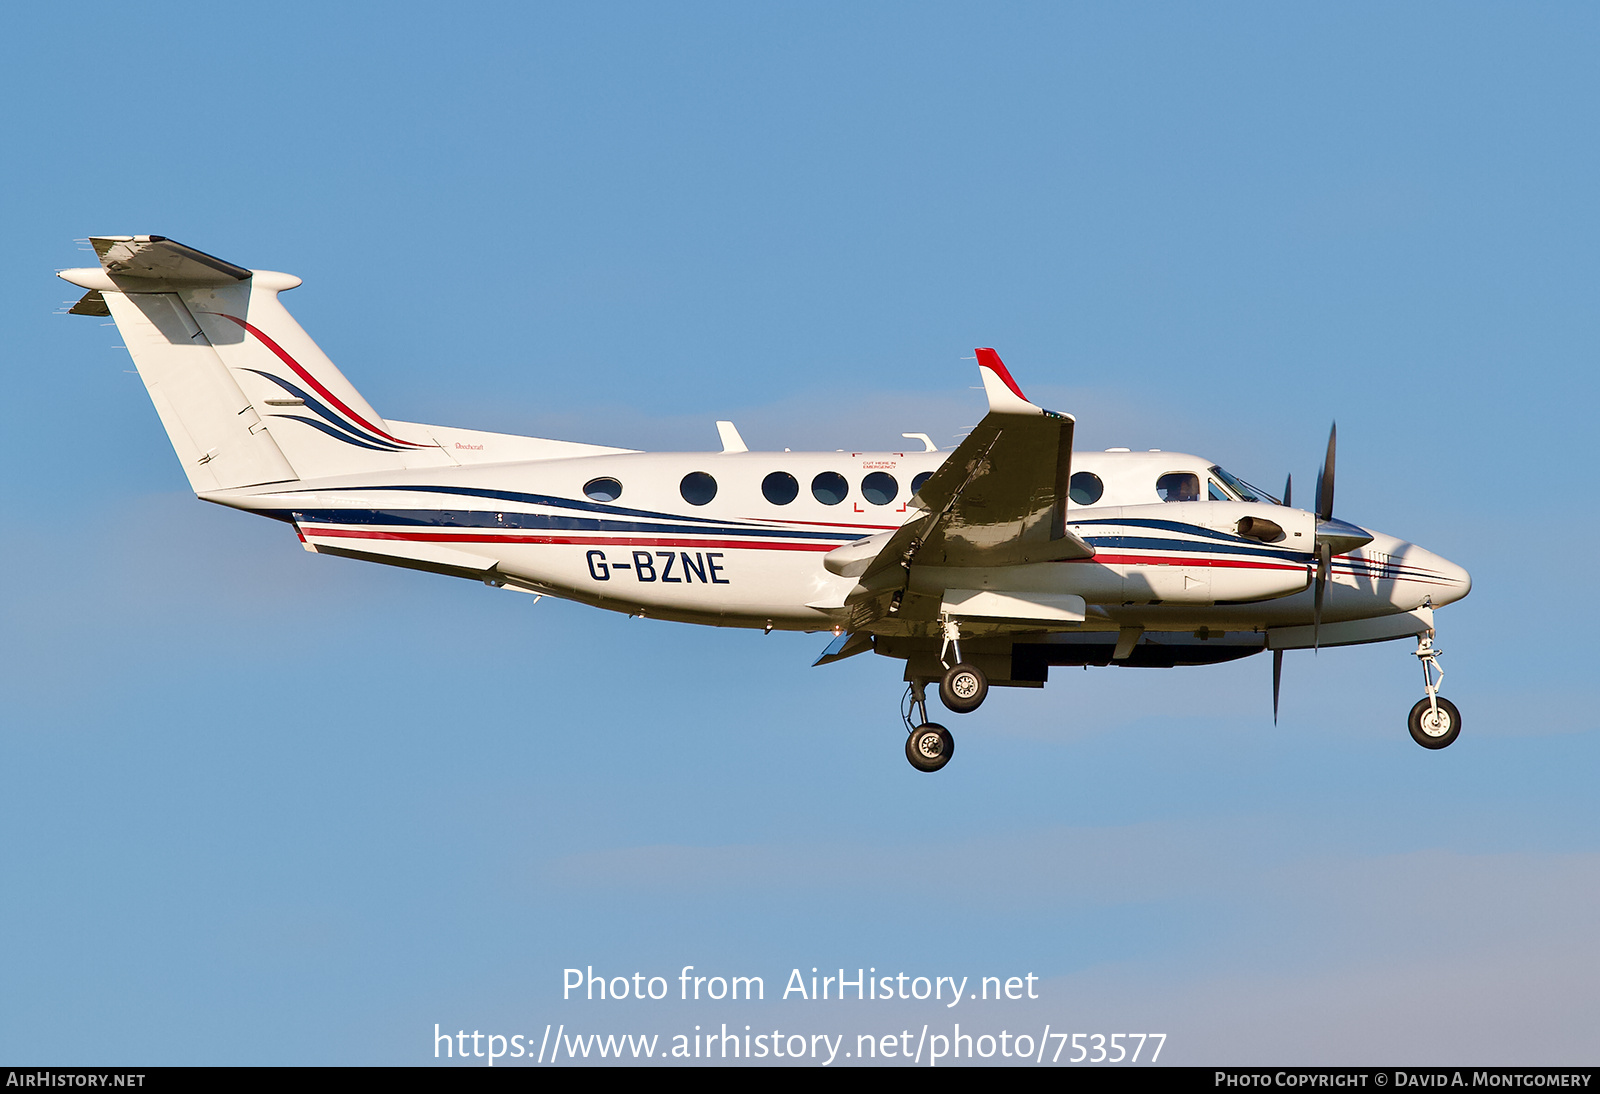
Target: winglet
1005	397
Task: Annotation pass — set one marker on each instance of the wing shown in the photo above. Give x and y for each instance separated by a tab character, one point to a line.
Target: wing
999	500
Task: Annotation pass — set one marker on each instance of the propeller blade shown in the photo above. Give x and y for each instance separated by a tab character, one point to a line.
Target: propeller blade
1325	479
1277	679
1288	488
1324	567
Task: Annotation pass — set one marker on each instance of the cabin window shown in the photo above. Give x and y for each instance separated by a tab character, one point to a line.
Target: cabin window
602	489
698	488
916	483
1178	486
1085	488
879	488
780	488
829	488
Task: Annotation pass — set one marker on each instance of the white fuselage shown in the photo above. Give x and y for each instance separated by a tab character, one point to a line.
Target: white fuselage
746	557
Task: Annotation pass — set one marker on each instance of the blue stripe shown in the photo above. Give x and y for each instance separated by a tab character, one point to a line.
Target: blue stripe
550	501
473	518
1150	543
1354	566
334	433
1171	526
336	421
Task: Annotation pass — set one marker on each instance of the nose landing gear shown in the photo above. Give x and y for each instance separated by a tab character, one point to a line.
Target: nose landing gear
1435	722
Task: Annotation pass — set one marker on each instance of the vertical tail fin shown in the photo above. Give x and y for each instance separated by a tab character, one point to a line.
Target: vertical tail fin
245	395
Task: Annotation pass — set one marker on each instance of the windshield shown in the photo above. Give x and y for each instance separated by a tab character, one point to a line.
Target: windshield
1245	491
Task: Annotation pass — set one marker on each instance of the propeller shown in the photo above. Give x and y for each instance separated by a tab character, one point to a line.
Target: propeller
1288	488
1332	537
1324	550
1325	477
1277	680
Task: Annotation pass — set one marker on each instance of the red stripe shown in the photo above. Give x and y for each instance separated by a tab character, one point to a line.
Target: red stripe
824	523
312	380
594	541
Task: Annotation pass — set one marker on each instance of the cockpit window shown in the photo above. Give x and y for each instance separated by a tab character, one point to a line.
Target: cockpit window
1178	486
1215	492
1242	489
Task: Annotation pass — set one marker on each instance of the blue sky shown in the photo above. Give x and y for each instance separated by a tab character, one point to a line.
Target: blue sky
269	807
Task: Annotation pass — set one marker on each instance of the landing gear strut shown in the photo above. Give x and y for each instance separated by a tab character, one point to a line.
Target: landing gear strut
929	745
964	686
1435	722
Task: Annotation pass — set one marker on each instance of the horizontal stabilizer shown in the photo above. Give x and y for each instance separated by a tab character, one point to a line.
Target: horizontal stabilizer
245	395
158	258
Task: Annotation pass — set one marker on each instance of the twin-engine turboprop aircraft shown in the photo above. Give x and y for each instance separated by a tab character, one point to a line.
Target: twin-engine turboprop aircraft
985	566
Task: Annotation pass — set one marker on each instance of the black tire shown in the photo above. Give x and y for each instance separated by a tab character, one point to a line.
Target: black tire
1431	733
963	689
930	747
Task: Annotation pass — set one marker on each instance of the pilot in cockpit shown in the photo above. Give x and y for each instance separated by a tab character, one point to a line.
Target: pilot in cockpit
1178	486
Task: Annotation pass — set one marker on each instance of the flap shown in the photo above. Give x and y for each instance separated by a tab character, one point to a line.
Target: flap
844	645
1015	607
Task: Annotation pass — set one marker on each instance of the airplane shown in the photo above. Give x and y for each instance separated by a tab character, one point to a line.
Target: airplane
985	566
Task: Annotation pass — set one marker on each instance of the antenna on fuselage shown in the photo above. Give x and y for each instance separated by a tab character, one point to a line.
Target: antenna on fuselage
731	441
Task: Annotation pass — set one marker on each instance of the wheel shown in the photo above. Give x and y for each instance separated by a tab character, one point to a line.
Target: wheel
930	747
963	689
1432	730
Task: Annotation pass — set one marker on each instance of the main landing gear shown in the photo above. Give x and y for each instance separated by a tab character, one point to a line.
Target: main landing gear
962	690
929	745
964	686
1435	721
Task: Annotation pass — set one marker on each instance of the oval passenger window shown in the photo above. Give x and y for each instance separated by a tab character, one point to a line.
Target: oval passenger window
780	488
829	488
1085	488
879	488
916	483
602	489
698	488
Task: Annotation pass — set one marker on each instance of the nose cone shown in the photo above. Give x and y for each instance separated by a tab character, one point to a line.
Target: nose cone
1460	581
1441	579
